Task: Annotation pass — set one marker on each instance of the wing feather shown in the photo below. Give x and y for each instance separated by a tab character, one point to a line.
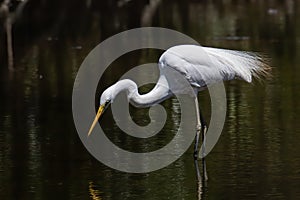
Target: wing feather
205	65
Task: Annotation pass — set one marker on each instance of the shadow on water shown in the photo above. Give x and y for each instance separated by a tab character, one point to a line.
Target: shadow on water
41	156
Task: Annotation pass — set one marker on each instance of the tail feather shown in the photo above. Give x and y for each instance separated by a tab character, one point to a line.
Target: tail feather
245	64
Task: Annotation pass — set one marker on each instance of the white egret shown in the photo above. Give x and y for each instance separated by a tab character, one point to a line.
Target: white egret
194	63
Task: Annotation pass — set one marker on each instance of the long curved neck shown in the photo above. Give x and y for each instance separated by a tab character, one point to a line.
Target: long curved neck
158	94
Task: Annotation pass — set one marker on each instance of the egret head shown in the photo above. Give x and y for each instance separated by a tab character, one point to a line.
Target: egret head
110	94
106	98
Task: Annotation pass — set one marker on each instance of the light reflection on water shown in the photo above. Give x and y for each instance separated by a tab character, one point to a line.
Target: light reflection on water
257	155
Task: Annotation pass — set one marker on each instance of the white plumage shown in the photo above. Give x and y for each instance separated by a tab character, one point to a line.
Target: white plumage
205	65
201	66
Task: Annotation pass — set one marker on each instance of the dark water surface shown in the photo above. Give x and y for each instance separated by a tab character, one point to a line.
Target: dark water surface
42	157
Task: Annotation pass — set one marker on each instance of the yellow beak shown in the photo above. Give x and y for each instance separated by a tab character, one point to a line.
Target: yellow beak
99	113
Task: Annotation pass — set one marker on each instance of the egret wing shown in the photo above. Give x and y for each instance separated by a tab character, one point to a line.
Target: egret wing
203	65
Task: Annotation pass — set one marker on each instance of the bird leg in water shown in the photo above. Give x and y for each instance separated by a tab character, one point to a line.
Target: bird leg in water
203	134
198	129
196	144
201	128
